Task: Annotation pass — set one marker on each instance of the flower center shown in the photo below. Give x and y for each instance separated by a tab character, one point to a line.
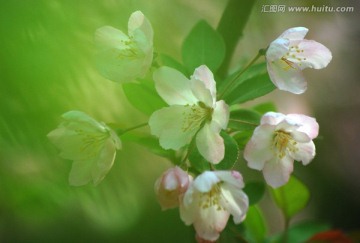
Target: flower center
284	142
211	198
196	116
129	49
91	142
292	58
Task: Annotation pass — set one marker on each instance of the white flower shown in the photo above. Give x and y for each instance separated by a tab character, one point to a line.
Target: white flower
277	142
123	58
289	54
90	144
193	111
170	187
210	200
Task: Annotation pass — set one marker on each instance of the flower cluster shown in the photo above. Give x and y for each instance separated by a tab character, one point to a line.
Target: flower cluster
196	120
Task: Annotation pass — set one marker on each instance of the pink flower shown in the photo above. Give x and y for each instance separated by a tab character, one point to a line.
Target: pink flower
277	142
289	54
171	186
210	200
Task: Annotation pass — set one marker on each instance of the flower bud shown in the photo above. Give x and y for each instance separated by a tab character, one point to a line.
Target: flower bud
170	186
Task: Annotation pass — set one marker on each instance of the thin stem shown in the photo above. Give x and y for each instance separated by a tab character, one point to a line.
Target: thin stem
244	122
121	132
260	53
286	230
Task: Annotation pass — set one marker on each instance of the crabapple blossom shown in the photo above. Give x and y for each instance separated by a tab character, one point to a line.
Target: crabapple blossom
277	142
193	111
90	144
171	186
123	58
210	200
289	54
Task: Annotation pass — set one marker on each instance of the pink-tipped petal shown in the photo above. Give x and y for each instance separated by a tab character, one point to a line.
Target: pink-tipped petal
305	152
295	33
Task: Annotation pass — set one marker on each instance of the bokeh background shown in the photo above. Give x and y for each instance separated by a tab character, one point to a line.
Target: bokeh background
47	68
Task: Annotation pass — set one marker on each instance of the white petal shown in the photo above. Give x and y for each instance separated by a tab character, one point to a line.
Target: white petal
202	93
104	161
205	181
313	55
173	86
204	74
300	137
210	222
210	144
232	178
80	117
138	21
296	33
277	171
108	37
221	114
272	118
259	149
286	77
169	125
277	49
234	201
80	173
308	124
188	211
305	153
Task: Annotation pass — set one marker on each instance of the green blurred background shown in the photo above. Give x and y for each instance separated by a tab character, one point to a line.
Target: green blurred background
47	68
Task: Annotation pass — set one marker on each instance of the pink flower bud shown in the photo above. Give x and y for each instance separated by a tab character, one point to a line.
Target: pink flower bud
170	186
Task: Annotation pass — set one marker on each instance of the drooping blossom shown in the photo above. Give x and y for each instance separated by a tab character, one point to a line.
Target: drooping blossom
210	200
123	58
277	142
289	54
193	111
171	186
90	144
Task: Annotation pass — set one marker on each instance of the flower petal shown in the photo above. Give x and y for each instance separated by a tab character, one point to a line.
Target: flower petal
138	21
210	144
232	178
104	161
234	201
173	87
168	124
272	118
308	124
277	49
221	114
259	149
277	171
202	93
204	74
313	55
210	222
295	33
80	173
205	181
305	152
286	77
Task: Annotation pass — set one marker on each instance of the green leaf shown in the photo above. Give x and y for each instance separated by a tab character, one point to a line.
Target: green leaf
230	157
255	227
244	119
152	144
292	197
265	107
171	62
143	96
300	232
255	191
231	27
203	45
250	89
242	138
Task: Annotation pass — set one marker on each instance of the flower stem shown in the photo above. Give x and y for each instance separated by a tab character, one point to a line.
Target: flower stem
121	132
260	53
244	122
